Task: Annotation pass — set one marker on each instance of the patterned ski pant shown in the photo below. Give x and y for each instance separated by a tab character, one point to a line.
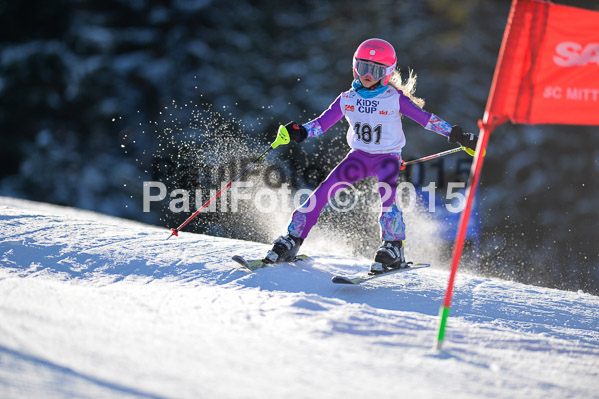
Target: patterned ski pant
356	166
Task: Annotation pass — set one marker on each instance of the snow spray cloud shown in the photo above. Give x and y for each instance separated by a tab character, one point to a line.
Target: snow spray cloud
189	150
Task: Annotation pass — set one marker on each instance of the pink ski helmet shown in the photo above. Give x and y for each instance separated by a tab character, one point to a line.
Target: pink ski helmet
375	57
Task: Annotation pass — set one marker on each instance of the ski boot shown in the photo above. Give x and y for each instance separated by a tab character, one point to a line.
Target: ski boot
284	249
389	256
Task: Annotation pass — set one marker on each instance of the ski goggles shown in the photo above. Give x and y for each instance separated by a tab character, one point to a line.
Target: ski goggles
375	70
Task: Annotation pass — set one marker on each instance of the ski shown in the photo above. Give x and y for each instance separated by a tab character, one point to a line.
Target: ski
370	276
255	264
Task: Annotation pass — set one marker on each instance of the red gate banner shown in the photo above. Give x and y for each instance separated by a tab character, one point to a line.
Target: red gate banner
548	66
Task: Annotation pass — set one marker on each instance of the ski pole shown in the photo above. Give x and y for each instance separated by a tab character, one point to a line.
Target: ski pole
282	138
428	158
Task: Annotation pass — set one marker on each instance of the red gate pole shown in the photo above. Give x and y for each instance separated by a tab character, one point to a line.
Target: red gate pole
475	170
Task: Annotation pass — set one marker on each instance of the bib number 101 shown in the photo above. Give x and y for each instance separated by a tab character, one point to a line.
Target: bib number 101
365	133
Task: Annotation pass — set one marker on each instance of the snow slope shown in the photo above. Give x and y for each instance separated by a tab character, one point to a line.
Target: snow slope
93	306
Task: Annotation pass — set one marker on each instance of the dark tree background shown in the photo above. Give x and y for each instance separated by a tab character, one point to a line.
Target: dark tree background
98	96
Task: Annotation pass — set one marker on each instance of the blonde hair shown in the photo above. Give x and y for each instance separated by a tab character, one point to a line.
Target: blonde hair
408	87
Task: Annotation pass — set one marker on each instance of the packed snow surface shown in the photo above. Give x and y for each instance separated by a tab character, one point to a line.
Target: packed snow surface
93	306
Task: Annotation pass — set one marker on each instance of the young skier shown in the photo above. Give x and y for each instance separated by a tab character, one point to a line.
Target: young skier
373	107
